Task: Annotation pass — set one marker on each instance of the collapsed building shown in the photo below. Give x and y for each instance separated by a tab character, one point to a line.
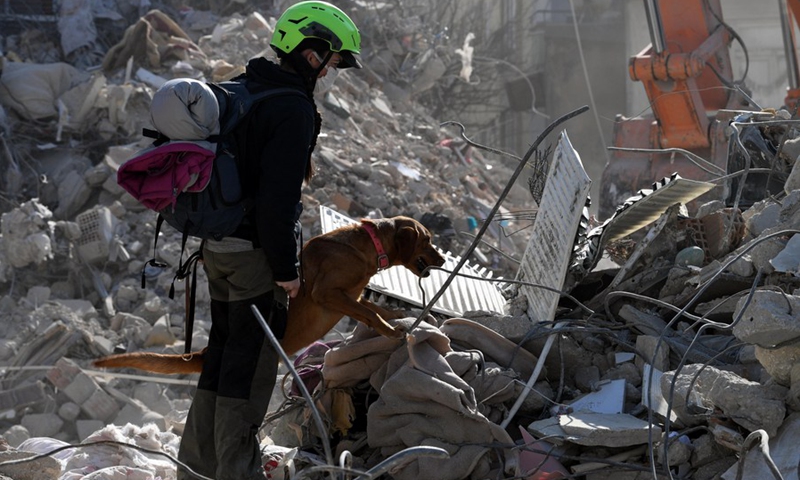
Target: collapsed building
657	343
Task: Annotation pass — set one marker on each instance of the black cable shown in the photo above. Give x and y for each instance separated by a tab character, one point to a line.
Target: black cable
736	36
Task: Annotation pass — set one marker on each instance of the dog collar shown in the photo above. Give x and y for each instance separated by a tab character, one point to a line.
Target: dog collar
383	259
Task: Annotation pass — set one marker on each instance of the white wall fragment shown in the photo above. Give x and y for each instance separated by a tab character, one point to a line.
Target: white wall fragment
549	250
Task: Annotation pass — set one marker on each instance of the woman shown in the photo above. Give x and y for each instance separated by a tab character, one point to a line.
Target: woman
257	265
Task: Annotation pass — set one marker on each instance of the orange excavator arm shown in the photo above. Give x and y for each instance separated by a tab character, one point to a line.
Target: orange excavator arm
684	69
687	75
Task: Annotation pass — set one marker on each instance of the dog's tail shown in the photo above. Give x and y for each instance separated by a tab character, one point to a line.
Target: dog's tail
154	362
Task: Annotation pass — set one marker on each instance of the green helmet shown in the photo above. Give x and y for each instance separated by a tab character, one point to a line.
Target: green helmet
321	20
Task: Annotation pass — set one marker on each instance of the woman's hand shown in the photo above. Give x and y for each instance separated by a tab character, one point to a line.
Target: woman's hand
291	288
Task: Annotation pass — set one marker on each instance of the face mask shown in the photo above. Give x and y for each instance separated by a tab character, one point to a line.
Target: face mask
324	84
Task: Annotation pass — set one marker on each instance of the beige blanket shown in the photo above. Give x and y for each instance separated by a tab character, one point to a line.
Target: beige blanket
425	398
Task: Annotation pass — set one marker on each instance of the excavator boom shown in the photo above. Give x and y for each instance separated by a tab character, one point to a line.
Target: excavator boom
687	75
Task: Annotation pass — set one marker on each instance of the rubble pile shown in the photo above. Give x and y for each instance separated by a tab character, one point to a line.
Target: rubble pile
673	356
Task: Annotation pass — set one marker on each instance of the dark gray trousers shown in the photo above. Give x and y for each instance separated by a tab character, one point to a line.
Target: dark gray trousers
220	436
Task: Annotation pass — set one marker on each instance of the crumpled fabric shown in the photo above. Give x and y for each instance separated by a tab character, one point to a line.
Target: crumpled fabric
495	347
122	462
107	461
153	39
309	366
424	399
33	90
156	175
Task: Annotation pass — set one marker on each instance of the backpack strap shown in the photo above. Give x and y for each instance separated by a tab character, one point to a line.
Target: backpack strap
184	270
159	137
235	101
153	262
191	293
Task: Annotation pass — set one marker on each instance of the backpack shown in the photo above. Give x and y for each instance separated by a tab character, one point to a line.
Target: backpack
190	174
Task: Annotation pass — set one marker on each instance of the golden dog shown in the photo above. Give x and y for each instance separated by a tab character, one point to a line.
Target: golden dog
336	268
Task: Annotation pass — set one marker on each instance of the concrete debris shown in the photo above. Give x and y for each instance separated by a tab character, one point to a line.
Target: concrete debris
697	392
654	344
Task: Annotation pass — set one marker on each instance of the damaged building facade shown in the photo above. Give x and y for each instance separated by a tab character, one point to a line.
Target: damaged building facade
659	342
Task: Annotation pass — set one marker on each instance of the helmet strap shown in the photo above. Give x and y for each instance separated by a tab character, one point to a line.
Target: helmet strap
323	63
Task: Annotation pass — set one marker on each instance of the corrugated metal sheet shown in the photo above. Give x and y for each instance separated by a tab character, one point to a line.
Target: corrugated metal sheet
464	294
648	205
549	250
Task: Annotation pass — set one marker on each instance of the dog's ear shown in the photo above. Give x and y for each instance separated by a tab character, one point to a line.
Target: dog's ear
406	239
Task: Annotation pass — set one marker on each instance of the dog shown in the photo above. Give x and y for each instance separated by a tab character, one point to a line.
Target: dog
336	267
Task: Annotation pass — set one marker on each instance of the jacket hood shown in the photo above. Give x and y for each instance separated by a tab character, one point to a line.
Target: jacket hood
263	70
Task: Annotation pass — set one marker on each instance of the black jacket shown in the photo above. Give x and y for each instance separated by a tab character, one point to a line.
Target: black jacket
273	143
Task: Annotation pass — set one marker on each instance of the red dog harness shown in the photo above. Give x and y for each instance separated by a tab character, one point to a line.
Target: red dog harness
383	259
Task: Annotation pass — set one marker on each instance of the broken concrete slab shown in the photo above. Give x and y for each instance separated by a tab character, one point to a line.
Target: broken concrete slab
592	429
43	468
720	309
768	319
610	430
657	356
609	398
779	362
678	451
700	390
42	424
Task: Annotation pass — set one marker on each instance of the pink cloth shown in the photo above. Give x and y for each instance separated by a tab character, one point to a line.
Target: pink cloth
157	175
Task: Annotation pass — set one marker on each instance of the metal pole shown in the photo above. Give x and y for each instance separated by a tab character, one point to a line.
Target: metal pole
287	362
789	46
654	24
